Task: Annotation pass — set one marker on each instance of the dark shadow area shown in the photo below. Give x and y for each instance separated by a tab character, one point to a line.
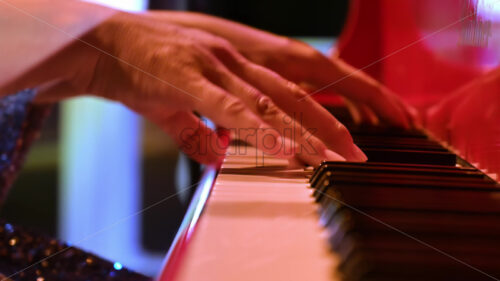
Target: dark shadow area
291	18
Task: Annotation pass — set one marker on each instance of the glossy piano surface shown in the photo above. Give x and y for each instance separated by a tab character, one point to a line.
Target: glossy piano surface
442	57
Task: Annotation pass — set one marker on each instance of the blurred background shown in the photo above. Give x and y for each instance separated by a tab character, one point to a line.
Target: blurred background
107	181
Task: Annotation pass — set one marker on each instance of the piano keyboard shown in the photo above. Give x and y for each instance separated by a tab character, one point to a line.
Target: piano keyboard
412	212
260	223
413	215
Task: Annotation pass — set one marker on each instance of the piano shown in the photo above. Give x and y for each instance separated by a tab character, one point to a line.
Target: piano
414	211
426	205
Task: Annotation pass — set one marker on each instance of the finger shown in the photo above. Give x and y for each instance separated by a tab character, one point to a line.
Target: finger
368	115
193	137
297	104
361	113
360	88
308	147
356	115
329	75
233	114
411	113
297	161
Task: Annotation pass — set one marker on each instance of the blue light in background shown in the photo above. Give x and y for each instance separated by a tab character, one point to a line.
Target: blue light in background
117	266
325	45
100	191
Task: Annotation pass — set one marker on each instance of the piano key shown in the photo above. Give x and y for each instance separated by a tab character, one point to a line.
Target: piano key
410	182
341	180
406	168
410	156
460	198
329	170
419	221
414	265
398	142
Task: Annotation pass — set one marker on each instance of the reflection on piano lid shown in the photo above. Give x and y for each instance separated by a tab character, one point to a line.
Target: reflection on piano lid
437	56
414	211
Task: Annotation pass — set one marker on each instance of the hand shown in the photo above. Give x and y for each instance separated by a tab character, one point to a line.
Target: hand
367	99
166	71
468	121
469	116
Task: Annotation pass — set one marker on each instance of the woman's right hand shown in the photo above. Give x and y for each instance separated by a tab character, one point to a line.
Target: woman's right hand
368	100
166	71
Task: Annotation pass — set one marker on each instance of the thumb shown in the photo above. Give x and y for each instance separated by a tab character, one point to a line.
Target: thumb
191	134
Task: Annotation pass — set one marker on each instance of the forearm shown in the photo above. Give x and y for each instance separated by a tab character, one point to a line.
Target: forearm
35	34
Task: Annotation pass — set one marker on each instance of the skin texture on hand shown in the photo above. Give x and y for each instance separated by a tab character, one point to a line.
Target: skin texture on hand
166	71
368	100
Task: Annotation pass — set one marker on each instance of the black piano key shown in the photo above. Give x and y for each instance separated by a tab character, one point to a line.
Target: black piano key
398	143
416	265
412	183
410	156
329	170
385	131
395	167
417	221
394	177
343	181
456	245
367	146
464	199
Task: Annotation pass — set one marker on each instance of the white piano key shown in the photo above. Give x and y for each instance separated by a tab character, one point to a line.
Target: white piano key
259	224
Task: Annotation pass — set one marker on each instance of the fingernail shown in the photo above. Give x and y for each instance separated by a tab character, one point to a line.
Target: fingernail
332	156
358	154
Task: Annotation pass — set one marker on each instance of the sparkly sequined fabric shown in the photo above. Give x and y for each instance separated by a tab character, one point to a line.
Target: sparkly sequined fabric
20	122
28	255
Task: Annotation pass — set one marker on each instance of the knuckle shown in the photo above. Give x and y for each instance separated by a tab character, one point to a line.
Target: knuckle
222	44
233	106
187	56
266	107
298	93
253	94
